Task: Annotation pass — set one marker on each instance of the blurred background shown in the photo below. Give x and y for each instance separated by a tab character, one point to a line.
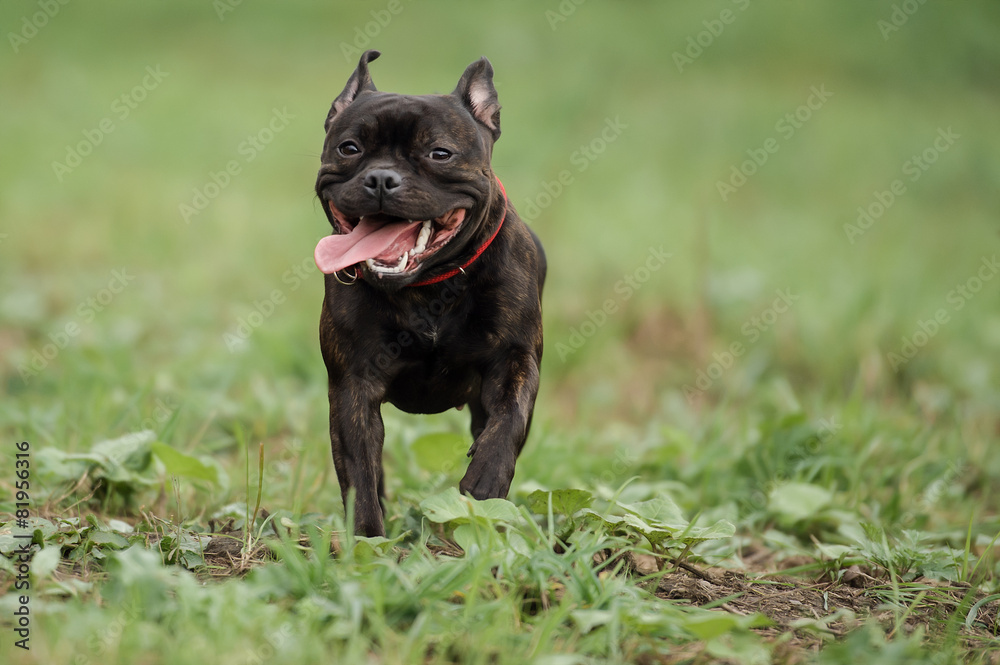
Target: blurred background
814	183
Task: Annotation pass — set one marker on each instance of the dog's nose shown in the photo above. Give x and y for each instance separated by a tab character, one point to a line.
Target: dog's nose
382	182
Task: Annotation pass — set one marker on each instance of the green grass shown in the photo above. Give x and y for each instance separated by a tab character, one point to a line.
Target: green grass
820	453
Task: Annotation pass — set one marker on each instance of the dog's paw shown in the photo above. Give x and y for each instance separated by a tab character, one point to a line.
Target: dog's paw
486	479
368	522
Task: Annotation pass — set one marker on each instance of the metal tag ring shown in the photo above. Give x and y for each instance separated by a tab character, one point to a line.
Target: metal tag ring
336	276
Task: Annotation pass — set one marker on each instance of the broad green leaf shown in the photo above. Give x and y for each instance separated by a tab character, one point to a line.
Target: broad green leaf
107	538
477	536
712	624
187	542
96	523
439	452
798	501
131	451
587	620
182	464
451	506
45	562
497	509
446	506
138	576
118	460
57	465
366	549
658	534
661	511
71	587
613	521
66	539
645	528
608	520
564	502
468	539
721	529
655	535
519	544
738	647
120	526
8	543
42	528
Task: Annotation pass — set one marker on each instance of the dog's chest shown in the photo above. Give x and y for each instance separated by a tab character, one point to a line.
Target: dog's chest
440	347
438	368
433	381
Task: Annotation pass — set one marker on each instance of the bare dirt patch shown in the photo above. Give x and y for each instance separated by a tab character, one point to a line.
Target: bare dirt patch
813	612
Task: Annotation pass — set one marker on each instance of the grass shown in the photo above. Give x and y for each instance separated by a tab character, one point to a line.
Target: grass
713	487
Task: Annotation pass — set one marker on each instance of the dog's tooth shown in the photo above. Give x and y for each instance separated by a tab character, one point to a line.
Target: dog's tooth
425	234
388	270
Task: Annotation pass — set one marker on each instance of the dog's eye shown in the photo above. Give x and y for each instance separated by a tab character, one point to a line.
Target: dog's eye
348	148
440	154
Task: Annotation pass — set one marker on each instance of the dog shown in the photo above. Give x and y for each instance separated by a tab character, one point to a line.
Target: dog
433	282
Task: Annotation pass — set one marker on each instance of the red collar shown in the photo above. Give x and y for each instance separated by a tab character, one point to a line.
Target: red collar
454	271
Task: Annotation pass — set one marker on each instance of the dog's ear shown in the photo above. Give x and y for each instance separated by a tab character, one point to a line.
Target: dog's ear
360	80
477	93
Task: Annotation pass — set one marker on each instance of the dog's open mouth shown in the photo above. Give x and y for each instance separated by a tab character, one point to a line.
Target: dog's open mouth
388	245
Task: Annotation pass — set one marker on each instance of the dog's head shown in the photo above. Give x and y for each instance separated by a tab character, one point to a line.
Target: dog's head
406	180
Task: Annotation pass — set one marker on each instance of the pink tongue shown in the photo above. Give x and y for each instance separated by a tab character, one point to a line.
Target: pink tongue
368	240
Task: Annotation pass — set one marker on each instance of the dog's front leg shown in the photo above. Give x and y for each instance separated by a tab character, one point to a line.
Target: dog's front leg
508	396
356	438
